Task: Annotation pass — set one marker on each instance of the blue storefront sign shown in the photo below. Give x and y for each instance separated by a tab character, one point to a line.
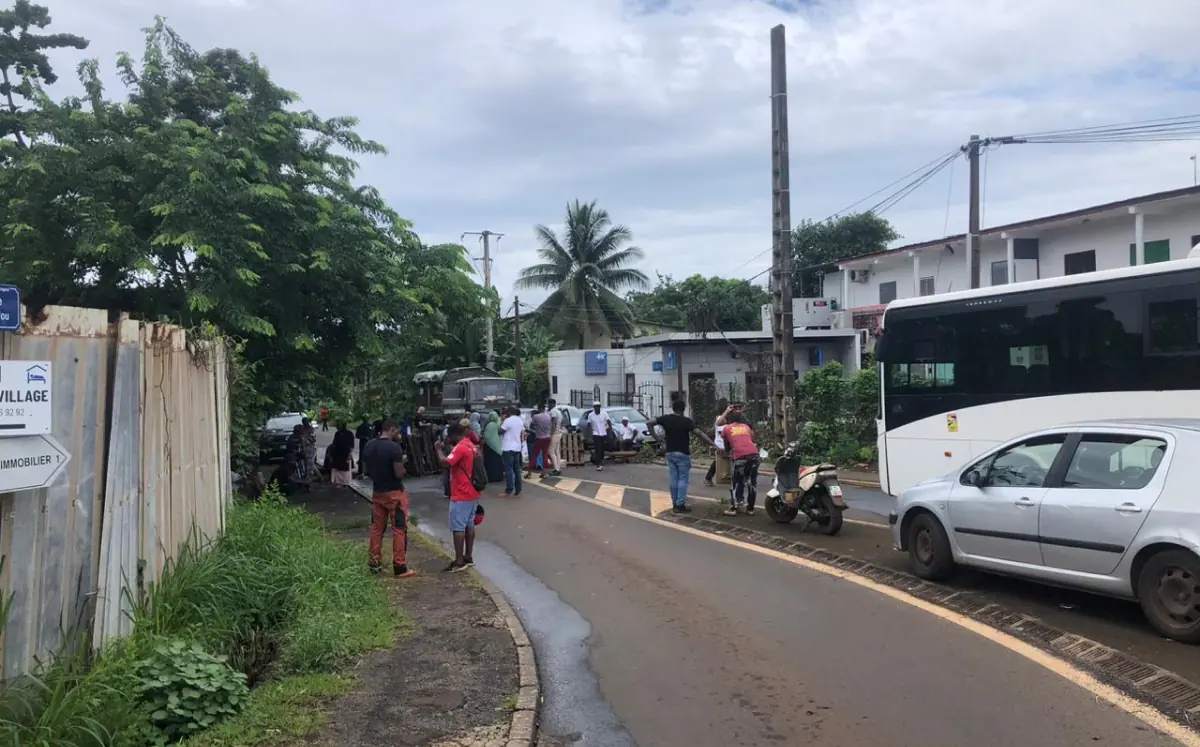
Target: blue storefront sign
595	363
656	366
10	308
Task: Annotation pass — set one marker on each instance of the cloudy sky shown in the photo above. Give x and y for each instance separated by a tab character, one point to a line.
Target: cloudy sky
497	113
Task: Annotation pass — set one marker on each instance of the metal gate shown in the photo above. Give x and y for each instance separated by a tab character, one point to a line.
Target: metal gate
653	400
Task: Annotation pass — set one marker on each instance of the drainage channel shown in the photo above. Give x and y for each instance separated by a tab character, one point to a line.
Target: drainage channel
1176	697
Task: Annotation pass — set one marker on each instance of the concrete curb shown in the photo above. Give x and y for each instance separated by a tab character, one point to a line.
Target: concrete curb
522	729
768	472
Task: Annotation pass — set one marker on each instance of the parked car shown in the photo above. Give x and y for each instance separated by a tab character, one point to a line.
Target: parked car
1104	506
272	440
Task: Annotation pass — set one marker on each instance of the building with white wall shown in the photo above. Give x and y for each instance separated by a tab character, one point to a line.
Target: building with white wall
650	372
1140	230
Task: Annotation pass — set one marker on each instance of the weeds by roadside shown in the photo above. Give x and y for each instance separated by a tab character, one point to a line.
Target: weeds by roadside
274	601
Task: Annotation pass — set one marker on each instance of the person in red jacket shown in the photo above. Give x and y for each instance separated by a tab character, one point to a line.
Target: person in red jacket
324	418
464	498
743	452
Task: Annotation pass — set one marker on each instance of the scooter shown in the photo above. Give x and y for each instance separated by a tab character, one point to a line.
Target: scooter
813	491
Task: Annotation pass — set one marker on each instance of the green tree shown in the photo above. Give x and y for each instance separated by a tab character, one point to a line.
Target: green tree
23	62
700	304
206	198
816	244
584	271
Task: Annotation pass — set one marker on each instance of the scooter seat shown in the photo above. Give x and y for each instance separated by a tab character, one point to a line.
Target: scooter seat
816	468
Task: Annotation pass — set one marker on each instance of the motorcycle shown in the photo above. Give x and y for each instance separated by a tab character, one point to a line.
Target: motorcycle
813	491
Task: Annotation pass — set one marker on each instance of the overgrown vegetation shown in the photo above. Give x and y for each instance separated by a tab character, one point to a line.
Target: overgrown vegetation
839	414
274	605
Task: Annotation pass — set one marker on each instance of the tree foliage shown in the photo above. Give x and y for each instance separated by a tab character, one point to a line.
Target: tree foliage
204	197
24	64
816	244
700	304
584	270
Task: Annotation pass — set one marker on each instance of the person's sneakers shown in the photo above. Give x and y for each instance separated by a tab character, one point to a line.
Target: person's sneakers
681	509
731	511
403	571
710	483
749	512
469	562
599	468
555	472
454	567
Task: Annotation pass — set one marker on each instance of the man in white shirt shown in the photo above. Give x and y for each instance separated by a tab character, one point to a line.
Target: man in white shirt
629	436
556	435
600	422
512	434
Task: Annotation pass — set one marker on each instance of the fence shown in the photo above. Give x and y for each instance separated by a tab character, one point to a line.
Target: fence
144	413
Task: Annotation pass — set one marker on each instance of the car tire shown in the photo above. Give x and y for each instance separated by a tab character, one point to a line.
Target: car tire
929	553
1169	594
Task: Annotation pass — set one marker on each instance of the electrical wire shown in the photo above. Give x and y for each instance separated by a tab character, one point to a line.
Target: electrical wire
1170	129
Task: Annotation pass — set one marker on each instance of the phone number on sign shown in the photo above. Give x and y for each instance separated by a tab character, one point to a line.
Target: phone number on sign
11	413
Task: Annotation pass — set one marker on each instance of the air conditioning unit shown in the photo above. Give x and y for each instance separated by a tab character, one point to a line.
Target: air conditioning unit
859	276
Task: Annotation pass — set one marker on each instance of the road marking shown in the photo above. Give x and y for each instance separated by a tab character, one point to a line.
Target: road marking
861	522
1144	713
569	484
660	502
611	495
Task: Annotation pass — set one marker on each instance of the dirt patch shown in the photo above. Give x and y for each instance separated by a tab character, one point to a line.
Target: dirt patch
452	682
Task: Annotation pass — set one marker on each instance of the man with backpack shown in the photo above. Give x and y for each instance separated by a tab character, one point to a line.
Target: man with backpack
468	478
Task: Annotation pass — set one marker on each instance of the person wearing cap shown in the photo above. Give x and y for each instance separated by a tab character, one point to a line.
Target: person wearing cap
601	423
629	436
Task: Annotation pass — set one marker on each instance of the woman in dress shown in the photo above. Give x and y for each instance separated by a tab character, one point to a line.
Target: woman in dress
494	447
341	456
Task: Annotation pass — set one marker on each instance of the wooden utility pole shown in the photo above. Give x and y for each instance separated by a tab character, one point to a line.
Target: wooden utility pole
973	148
487	284
517	337
783	364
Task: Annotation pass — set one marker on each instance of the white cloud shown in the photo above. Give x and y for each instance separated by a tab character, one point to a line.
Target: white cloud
499	113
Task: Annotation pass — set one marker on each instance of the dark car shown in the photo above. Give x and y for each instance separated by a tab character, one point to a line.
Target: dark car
272	440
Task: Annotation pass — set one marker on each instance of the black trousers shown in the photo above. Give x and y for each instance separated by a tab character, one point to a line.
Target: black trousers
598	450
362	466
744	487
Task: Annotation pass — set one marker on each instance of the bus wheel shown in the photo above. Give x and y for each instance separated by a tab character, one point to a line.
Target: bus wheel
929	553
1169	592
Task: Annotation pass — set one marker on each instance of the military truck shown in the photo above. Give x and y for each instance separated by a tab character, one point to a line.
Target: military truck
452	394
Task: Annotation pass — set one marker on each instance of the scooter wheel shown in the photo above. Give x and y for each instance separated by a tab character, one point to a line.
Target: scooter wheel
780	511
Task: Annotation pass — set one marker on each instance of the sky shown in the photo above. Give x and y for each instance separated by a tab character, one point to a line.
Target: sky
497	113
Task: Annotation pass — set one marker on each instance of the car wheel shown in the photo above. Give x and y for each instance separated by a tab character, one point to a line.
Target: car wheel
929	553
1169	592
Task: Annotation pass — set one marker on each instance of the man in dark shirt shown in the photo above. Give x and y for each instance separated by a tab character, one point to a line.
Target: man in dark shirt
364	434
389	500
679	431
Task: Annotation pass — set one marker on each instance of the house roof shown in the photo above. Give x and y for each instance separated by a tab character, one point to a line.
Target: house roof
1070	215
696	338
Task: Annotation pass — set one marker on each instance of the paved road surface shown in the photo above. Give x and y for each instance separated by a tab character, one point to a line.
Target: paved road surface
694	643
1115	623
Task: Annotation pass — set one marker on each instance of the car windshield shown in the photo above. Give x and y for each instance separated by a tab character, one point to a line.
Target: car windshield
284	422
634	416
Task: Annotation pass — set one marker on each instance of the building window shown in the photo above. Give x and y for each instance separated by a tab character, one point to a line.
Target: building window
926	288
815	357
1156	251
1079	262
887	292
1000	272
554	385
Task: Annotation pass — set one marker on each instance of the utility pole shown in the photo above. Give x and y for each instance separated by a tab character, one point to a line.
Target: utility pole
517	338
783	363
487	284
973	148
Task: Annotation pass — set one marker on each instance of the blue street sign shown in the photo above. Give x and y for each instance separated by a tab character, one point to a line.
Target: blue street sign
595	363
670	360
656	366
10	308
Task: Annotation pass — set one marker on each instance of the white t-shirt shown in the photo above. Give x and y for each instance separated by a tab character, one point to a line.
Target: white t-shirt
555	420
599	422
628	432
511	430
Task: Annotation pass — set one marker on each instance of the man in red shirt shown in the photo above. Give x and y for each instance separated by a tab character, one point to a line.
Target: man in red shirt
739	441
464	498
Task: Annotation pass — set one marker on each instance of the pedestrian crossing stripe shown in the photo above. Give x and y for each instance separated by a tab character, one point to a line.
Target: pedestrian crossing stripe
637	500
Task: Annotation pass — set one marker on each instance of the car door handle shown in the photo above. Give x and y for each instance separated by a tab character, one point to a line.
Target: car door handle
1129	508
1025	502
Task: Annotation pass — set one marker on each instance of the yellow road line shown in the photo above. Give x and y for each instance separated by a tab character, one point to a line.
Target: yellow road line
611	495
568	484
1148	715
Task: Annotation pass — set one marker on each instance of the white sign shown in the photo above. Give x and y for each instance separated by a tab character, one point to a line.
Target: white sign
30	462
24	398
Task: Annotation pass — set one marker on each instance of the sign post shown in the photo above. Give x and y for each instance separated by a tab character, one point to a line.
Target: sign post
25	404
30	462
10	308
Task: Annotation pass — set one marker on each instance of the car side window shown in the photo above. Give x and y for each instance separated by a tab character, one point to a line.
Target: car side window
1114	461
1023	465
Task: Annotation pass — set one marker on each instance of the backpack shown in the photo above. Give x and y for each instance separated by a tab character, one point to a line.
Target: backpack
479	476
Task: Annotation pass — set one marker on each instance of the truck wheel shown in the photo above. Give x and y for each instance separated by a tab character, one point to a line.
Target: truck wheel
929	553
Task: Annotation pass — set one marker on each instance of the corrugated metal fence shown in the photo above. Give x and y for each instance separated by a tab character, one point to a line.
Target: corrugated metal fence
144	413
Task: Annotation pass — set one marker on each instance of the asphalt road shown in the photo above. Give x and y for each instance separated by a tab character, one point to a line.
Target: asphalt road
1115	623
650	636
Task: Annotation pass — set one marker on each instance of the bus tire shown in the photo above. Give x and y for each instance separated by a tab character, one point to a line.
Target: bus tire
1166	592
929	553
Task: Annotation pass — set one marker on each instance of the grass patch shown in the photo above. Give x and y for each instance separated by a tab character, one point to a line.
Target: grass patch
279	712
276	600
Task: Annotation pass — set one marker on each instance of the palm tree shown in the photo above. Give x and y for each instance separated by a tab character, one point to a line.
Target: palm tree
584	272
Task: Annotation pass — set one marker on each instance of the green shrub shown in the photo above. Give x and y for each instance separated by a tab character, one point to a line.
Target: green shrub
186	690
839	413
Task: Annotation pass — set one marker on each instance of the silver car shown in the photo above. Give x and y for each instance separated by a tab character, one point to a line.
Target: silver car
1105	506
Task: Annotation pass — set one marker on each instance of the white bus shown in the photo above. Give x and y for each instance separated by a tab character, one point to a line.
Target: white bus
965	371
